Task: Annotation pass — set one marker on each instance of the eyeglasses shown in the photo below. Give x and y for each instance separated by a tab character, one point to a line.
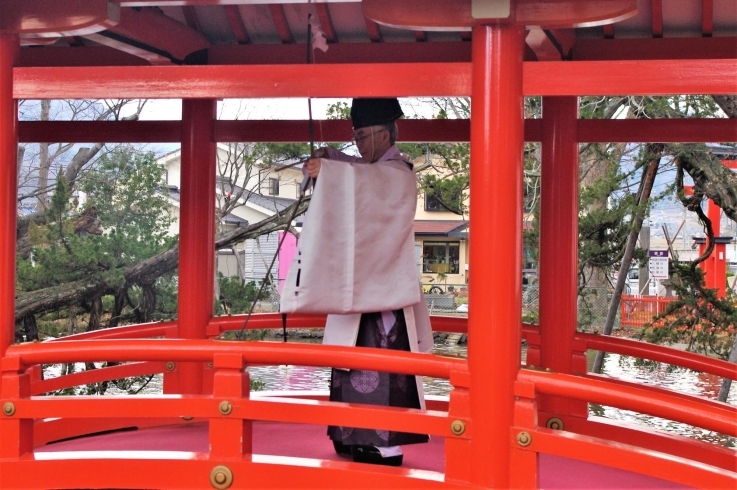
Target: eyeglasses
360	139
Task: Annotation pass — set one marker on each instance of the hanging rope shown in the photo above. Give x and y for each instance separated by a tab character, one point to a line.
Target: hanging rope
303	189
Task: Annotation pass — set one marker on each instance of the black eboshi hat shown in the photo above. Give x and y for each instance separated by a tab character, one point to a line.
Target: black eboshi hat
370	112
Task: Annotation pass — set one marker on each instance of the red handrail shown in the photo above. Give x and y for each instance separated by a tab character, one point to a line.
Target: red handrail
659	353
96	376
630	396
252	352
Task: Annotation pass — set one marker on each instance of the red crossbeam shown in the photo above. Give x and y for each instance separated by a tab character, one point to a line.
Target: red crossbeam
351	80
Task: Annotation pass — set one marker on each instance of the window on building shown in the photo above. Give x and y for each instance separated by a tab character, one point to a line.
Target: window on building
443	257
273	186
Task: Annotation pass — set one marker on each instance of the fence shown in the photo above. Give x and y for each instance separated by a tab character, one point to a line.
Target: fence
637	311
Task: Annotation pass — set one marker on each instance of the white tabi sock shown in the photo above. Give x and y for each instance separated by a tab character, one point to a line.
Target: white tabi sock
387	452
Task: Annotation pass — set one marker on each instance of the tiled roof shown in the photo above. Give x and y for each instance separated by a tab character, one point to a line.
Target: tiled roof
440	227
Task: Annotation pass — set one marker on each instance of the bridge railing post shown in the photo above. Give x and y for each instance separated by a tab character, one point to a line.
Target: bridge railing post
230	435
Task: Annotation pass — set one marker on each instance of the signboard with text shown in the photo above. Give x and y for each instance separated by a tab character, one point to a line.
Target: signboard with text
658	264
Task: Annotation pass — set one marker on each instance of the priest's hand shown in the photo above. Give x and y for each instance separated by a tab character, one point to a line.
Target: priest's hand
313	167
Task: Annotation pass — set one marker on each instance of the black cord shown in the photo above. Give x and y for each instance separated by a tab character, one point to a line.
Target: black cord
239	336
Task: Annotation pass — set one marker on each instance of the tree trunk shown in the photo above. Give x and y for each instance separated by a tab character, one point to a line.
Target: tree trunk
709	175
148	302
117	309
649	179
726	382
148	271
95	314
728	103
72	320
30	328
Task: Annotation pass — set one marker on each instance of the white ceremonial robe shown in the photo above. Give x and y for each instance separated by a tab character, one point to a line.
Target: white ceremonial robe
356	250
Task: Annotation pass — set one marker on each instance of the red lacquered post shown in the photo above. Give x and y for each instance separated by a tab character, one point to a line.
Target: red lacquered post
196	231
9	47
495	286
558	238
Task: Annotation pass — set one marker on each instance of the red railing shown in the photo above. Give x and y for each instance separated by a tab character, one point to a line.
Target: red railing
687	461
637	310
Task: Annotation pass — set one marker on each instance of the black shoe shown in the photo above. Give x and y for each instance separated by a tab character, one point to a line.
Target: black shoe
342	449
371	455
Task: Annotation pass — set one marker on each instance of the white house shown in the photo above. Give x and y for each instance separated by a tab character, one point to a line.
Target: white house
250	192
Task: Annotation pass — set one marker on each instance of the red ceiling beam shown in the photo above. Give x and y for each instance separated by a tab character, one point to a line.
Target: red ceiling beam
657	77
281	23
653	49
656	10
374	31
153	32
410	130
657	130
82	56
191	18
670	77
707	17
236	81
326	22
405	52
408	52
236	24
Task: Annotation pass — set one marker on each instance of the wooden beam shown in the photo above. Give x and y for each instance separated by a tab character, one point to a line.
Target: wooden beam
55	19
82	56
668	77
657	130
236	24
191	18
326	22
656	12
403	52
658	77
281	23
374	32
154	32
654	49
410	130
707	17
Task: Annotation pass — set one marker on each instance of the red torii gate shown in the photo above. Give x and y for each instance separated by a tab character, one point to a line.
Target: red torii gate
493	411
715	266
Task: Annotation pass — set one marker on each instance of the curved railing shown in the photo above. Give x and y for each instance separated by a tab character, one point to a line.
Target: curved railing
656	454
643	399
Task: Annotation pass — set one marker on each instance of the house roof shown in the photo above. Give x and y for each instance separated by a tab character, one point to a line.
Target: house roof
272	203
453	229
175	195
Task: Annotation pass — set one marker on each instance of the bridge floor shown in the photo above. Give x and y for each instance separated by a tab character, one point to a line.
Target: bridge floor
311	441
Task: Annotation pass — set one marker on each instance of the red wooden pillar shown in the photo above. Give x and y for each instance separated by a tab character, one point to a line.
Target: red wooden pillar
196	231
558	239
9	47
495	287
